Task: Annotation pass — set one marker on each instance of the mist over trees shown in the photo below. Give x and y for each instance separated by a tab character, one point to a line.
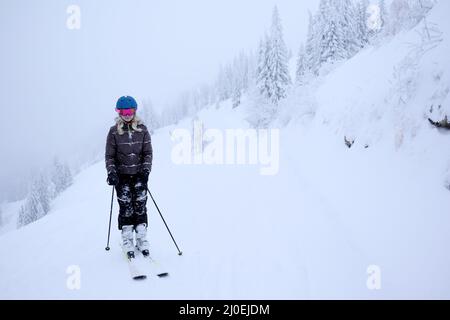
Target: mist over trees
341	28
405	14
44	187
272	75
61	177
149	115
337	31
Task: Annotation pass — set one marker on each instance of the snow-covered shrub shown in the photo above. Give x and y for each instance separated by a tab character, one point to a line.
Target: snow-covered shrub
405	14
261	112
61	177
37	204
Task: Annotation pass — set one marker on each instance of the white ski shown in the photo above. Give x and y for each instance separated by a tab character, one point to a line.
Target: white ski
135	273
156	266
158	269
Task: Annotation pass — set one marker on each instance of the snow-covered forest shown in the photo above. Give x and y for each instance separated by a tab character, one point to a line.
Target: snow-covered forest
361	106
337	31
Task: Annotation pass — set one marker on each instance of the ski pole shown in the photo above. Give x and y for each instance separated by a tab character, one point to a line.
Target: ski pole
110	216
179	252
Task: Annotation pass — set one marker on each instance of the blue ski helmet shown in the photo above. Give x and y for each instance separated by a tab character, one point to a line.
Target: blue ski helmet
126	102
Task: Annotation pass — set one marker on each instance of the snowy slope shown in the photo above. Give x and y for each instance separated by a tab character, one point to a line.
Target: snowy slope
9	213
227	240
311	231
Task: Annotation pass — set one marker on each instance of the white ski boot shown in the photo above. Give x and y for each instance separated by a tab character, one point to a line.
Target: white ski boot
141	239
127	241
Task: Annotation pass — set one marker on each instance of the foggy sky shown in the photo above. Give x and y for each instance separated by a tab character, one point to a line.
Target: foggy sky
59	86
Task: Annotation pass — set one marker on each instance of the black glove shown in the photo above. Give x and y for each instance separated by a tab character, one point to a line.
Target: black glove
144	176
113	179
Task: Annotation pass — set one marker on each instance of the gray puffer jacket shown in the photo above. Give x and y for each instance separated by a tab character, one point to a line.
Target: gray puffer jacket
128	148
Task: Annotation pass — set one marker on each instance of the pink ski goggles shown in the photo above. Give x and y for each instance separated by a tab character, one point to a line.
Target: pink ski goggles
126	112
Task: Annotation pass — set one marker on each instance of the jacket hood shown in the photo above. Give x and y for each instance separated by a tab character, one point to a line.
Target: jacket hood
134	124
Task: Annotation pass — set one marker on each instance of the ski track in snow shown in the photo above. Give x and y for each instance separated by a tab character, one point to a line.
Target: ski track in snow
234	246
243	235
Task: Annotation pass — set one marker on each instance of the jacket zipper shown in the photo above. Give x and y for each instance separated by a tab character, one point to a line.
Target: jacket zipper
129	132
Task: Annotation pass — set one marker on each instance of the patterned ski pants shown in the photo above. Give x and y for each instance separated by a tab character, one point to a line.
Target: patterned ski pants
132	198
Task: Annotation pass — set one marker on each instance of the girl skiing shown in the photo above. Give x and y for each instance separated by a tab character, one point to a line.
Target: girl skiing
128	160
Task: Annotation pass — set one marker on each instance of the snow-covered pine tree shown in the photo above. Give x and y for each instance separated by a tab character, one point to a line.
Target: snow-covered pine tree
322	20
361	23
277	61
332	40
252	66
229	79
244	73
195	101
400	16
61	177
37	204
261	110
418	9
331	45
311	49
149	116
273	77
240	71
301	65
346	11
221	85
240	77
183	105
24	217
383	16
40	190
263	71
237	84
142	111
405	14
206	94
236	97
31	211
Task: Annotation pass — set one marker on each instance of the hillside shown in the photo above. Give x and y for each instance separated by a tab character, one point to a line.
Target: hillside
310	231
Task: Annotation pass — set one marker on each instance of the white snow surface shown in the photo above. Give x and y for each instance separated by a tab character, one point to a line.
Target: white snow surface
311	231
